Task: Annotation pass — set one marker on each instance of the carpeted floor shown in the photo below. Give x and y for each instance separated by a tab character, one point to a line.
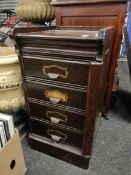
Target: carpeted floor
112	150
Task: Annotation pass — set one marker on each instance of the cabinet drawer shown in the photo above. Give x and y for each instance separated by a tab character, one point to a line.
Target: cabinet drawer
56	133
57	116
59	70
57	94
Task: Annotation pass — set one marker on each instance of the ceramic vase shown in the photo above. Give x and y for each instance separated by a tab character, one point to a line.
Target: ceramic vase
35	10
11	90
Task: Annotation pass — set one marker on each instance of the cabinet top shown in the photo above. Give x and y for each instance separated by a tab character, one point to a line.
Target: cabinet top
78	42
68	33
69	2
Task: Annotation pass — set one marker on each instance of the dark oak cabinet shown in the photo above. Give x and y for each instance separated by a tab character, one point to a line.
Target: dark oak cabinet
95	13
64	75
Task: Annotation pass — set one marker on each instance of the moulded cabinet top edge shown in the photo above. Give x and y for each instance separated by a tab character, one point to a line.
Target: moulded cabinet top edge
67	33
73	2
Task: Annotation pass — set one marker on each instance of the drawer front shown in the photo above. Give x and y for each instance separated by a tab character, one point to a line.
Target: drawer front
56	94
57	116
56	134
60	70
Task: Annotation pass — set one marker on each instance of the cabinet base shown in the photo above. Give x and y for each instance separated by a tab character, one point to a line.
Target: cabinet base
66	153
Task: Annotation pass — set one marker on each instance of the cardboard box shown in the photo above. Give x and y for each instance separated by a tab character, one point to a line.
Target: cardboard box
11	157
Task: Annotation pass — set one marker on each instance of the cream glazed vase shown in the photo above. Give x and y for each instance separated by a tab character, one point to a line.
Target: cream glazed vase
11	91
35	10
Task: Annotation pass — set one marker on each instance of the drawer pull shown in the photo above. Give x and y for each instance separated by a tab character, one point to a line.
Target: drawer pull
54	71
56	135
55	120
53	75
56	117
56	96
55	138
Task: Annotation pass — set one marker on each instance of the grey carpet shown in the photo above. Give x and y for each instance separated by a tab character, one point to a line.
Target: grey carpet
112	149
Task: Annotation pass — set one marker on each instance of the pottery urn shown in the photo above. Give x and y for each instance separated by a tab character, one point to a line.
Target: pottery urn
11	91
35	11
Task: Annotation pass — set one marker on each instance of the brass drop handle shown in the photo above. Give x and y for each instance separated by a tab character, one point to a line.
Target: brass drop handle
55	138
56	96
56	117
56	135
54	71
55	120
54	100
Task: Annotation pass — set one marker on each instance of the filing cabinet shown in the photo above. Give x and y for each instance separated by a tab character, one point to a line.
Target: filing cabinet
64	75
95	13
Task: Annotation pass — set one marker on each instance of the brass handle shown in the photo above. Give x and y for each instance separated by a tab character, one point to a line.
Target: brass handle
56	96
56	135
54	71
56	117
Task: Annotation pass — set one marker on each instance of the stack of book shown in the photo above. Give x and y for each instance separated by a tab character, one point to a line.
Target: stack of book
7	129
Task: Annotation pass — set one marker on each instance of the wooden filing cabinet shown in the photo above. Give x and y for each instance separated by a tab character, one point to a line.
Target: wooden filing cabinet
64	74
95	13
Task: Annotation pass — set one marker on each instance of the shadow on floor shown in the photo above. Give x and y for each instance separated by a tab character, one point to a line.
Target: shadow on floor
121	105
